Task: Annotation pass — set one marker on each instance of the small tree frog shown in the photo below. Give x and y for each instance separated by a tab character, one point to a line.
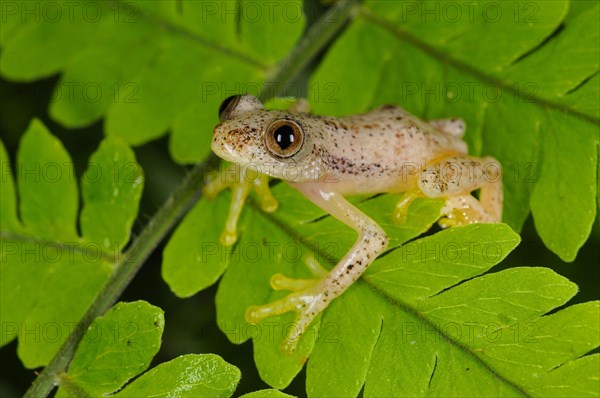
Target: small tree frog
385	150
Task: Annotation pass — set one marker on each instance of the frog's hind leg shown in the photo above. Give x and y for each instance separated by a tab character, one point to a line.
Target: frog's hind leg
311	296
454	127
455	178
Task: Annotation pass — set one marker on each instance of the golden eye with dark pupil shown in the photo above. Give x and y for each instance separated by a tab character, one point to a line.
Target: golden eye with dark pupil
284	138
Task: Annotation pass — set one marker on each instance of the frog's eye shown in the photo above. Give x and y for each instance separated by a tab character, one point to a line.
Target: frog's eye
227	106
284	138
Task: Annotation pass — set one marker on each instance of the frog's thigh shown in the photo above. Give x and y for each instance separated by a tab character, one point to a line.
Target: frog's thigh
458	176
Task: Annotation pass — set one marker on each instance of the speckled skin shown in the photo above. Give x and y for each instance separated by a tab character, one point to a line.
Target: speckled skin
385	150
369	153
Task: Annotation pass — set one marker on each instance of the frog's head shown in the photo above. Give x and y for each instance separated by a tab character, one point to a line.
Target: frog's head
273	142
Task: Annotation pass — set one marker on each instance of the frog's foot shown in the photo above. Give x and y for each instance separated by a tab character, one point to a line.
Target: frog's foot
463	210
308	300
241	181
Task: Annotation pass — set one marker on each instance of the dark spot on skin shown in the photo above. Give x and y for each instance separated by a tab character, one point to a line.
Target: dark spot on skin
330	124
351	266
387	107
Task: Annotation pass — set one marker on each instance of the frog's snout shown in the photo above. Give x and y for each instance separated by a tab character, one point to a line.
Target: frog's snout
224	142
217	139
216	129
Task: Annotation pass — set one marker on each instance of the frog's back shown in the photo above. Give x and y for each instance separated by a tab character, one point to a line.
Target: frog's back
380	150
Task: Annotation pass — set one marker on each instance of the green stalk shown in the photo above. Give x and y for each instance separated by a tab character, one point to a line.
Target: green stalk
315	40
320	34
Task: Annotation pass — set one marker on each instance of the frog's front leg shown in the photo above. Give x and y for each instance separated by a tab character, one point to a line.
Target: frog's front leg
309	299
241	181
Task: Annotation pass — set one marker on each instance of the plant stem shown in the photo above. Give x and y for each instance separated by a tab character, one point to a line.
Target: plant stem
315	40
125	269
177	205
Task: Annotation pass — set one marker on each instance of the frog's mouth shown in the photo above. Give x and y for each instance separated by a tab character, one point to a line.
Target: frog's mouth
220	148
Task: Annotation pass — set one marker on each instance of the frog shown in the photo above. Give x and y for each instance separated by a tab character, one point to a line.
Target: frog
327	159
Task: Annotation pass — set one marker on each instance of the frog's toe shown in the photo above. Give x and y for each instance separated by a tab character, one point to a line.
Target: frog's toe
314	266
228	238
305	303
269	205
447	222
282	282
463	210
256	313
400	214
210	192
